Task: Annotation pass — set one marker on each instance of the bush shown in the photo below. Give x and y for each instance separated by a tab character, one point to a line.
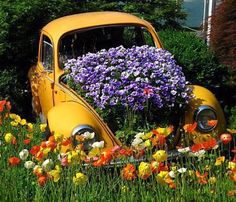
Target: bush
200	65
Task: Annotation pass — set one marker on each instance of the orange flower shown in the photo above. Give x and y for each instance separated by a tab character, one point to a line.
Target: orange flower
212	123
2	103
14	141
42	180
128	172
202	178
26	141
14	161
154	166
66	142
205	145
34	150
190	127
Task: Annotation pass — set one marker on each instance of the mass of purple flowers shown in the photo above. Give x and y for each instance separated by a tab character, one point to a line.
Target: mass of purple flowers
129	77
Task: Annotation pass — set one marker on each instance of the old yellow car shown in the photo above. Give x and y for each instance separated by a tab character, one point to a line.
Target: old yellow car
66	111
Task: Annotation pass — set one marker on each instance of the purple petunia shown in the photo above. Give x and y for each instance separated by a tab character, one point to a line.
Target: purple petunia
130	77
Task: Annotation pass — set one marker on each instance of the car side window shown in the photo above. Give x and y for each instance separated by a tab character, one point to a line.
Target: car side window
47	53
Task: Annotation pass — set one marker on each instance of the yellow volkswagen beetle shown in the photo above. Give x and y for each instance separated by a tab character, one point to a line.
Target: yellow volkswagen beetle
64	110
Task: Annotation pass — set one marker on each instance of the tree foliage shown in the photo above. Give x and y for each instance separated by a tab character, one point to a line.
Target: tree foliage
223	34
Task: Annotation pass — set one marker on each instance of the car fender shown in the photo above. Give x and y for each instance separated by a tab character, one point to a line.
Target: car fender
64	117
202	96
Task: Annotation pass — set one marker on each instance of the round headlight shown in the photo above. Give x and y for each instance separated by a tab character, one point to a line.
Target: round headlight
84	134
203	115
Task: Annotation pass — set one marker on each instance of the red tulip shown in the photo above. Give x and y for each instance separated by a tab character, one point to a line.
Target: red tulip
225	138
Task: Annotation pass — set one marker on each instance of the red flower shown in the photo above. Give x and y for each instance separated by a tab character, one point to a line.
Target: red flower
26	141
162	167
66	142
42	180
14	141
128	172
14	161
2	103
205	145
34	150
147	91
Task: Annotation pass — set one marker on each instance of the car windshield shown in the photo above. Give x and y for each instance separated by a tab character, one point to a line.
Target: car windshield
80	42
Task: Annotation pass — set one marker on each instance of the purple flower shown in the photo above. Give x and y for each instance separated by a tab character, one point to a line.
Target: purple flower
129	77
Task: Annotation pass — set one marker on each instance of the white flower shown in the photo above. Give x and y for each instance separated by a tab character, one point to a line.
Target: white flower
87	135
172	174
182	170
184	150
24	154
29	164
139	135
98	144
47	165
136	142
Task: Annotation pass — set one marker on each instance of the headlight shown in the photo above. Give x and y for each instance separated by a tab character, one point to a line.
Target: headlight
203	115
84	134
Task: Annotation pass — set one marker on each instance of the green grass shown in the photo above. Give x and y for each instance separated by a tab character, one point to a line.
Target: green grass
105	183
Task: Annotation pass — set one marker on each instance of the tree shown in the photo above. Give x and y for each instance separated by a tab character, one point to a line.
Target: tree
223	34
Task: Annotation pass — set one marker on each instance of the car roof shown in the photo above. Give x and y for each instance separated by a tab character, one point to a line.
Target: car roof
58	27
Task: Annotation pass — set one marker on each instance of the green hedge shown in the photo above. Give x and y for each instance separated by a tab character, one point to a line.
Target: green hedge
199	63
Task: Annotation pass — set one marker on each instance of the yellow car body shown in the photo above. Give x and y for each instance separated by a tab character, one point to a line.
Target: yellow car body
65	110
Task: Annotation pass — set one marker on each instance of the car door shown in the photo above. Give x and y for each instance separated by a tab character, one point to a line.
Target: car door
45	74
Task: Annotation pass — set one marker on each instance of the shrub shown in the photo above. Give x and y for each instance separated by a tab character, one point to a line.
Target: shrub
199	63
232	119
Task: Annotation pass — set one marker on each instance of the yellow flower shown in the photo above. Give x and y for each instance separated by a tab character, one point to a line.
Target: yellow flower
160	156
12	116
212	180
165	131
219	160
80	179
23	122
30	127
55	173
46	151
8	137
148	144
147	136
144	170
231	165
43	127
13	123
17	119
160	177
58	137
73	157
